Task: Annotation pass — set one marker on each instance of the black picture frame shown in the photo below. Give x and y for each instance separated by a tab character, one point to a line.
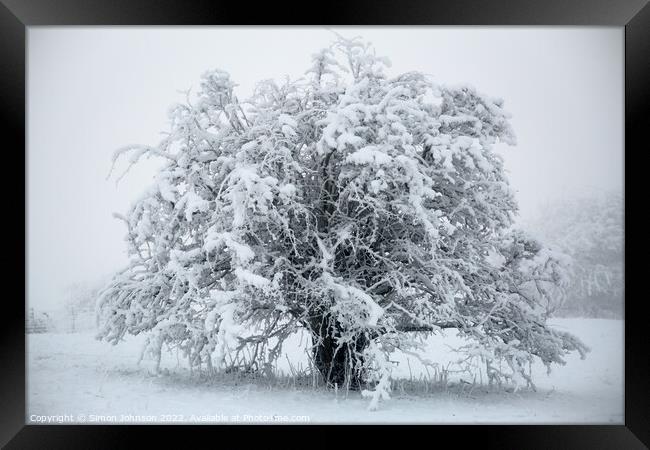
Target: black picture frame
16	15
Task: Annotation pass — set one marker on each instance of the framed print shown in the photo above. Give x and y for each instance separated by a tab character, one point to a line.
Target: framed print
376	215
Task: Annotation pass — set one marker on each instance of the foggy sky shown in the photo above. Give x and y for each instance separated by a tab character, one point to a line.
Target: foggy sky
92	90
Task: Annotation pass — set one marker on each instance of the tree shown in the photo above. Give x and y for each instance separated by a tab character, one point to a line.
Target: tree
589	229
360	207
38	322
79	306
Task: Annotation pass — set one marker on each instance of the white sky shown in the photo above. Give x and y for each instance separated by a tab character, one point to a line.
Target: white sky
92	90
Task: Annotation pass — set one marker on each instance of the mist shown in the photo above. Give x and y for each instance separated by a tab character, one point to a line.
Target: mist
93	90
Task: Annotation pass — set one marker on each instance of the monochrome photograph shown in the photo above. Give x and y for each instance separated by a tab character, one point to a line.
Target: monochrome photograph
325	225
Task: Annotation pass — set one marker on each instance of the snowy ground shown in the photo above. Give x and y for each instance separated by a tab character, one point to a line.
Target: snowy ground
73	378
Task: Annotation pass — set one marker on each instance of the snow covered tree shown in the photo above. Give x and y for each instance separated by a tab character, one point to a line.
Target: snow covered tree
589	229
79	306
38	322
361	207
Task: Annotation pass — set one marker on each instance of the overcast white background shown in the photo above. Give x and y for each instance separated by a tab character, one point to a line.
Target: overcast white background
92	90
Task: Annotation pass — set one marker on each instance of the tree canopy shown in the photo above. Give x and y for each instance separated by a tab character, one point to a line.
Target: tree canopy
362	207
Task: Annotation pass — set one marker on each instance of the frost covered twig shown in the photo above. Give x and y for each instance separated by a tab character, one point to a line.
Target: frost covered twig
358	207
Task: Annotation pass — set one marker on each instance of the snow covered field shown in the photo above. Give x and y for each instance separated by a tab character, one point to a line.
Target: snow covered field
72	378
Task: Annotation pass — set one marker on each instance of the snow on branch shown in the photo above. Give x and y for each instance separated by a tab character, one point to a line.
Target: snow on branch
358	207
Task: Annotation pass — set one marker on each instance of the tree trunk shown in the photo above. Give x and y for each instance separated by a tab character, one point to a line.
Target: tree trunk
338	364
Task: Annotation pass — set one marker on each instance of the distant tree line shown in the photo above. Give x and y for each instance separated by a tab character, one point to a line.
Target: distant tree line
590	230
76	312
